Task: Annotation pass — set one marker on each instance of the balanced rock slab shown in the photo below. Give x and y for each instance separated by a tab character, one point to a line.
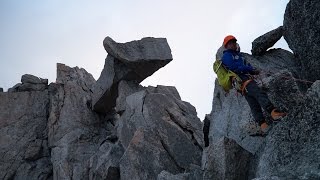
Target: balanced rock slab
264	42
132	61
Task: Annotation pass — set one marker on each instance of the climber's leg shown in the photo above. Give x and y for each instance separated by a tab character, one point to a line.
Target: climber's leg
261	97
255	109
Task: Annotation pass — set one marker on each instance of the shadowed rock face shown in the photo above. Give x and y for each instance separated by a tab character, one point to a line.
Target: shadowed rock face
74	130
292	148
24	148
230	161
301	31
132	61
158	124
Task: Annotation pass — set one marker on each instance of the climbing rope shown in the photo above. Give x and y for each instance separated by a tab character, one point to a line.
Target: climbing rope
296	79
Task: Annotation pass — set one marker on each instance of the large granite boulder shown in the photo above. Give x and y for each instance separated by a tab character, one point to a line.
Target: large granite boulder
28	78
261	44
301	31
155	51
292	148
30	83
24	148
133	61
146	157
165	129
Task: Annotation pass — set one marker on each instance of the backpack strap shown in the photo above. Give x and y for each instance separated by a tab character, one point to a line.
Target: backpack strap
220	63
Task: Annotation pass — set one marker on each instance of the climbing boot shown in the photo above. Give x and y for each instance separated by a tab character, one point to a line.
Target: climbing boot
276	114
264	127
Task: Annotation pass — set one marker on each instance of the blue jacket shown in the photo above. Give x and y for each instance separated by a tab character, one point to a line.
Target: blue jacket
234	61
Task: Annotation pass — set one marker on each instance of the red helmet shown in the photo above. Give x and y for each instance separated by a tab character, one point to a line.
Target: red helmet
227	39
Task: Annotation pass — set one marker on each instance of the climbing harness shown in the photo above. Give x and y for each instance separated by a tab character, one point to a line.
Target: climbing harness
244	86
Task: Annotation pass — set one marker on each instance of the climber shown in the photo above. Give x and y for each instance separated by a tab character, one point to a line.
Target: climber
256	98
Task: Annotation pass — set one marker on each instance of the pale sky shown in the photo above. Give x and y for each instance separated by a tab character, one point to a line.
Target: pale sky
37	34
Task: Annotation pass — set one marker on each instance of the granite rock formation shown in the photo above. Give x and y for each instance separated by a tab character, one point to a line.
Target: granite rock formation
114	128
148	130
24	147
301	31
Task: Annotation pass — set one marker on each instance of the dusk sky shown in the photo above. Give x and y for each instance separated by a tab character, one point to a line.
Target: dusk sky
37	34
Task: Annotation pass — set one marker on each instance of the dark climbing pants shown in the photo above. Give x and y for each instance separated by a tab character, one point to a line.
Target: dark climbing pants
257	99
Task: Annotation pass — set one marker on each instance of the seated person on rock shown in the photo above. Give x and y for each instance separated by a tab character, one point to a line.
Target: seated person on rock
256	98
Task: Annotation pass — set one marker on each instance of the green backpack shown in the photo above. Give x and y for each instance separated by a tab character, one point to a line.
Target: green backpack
226	78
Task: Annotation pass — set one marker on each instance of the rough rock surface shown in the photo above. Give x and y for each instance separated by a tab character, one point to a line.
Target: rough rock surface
165	175
125	89
194	174
301	30
133	61
24	148
264	42
158	124
292	148
28	78
147	49
30	83
230	161
76	134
